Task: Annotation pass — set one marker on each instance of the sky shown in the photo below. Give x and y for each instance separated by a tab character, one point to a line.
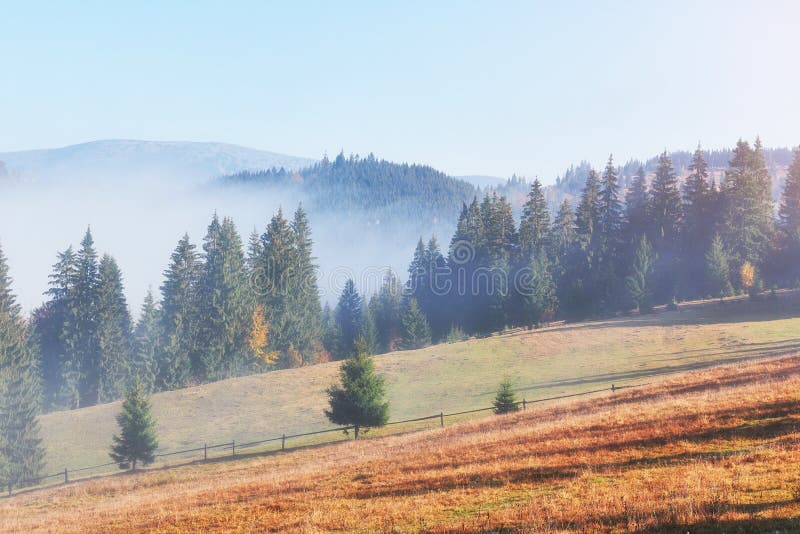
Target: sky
484	88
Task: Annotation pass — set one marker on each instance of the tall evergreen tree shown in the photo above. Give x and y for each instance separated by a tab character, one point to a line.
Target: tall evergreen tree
21	452
534	225
348	320
179	316
609	230
698	223
306	308
416	331
718	269
539	302
146	344
747	228
789	222
665	213
224	305
114	332
386	308
639	281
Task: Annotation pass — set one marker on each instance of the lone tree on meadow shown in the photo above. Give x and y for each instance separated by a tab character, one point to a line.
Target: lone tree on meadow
360	399
137	440
506	399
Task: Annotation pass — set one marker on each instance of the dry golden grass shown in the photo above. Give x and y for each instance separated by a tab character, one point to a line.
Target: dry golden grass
704	451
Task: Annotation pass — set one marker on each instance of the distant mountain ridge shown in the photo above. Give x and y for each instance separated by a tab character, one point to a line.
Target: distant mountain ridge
119	159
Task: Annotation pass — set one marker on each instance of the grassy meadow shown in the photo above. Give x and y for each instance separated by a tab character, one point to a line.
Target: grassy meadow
562	359
703	451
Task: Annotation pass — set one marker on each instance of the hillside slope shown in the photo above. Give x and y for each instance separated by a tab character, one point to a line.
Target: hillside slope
707	451
563	359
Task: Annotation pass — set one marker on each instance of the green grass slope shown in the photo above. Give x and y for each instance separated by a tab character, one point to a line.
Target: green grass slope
562	359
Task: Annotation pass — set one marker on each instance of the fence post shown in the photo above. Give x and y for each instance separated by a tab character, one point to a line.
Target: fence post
233	448
283	442
9	489
524	404
66	476
613	388
205	451
441	418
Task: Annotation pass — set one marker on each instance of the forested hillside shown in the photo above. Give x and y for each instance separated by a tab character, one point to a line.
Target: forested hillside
378	187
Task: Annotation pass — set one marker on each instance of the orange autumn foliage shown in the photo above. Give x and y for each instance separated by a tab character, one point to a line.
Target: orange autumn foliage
258	340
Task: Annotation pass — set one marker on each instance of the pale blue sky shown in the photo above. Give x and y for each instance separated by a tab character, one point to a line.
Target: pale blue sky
469	87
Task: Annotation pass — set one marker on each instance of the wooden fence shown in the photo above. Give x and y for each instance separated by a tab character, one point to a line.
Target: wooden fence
220	450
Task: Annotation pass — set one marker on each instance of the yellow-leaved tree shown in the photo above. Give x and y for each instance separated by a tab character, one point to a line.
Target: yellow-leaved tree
748	275
259	338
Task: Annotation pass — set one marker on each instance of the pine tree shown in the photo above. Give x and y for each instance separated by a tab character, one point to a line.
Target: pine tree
360	399
534	225
369	332
665	213
639	281
60	379
718	269
21	452
747	222
609	230
146	344
81	339
637	203
562	239
179	316
114	332
789	222
224	304
416	331
137	440
698	223
506	399
348	320
386	308
305	309
539	294
464	260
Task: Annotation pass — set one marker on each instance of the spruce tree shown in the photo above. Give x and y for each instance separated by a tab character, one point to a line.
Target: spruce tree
718	269
609	230
369	332
114	332
359	400
698	223
639	281
178	317
665	213
146	344
789	222
416	332
21	452
747	221
348	317
534	225
539	294
505	400
386	307
305	306
224	305
137	440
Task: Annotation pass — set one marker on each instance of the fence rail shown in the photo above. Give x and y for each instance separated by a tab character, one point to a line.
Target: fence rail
64	476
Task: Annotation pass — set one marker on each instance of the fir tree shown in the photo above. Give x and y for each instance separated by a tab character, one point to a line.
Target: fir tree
665	213
146	344
506	399
747	228
179	316
386	307
21	452
698	223
224	304
539	294
718	269
348	320
639	281
534	225
114	332
306	309
137	440
369	332
609	230
416	331
789	222
360	399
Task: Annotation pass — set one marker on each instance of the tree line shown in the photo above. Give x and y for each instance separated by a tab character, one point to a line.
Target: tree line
657	242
